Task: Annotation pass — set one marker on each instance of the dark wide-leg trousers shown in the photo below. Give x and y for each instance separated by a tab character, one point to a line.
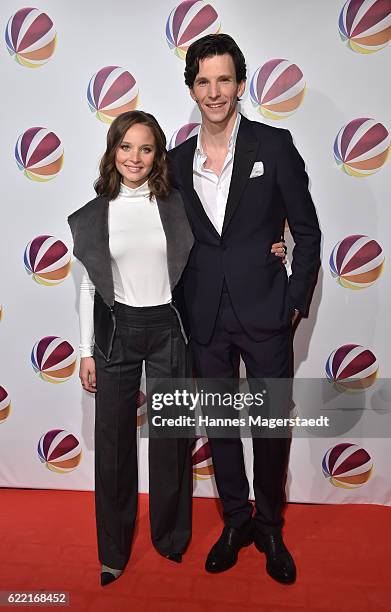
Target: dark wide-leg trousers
270	358
150	334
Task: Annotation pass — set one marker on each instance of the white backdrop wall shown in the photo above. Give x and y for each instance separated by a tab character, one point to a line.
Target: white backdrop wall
45	425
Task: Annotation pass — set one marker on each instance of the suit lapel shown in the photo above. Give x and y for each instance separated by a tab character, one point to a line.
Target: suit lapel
179	237
245	154
192	196
92	247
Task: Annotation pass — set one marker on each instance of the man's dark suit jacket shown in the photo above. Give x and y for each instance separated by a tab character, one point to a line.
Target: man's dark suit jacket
262	295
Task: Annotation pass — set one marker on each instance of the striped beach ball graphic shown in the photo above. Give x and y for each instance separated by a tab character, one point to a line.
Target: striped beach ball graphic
53	359
347	465
59	450
362	146
356	262
39	154
202	460
277	88
189	21
366	24
352	367
47	260
112	91
5	404
141	403
30	37
186	131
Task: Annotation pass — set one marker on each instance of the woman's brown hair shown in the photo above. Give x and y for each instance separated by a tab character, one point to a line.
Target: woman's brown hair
109	182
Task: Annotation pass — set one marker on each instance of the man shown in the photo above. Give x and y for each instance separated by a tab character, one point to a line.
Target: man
240	180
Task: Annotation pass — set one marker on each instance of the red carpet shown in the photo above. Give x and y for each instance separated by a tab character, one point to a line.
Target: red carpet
342	554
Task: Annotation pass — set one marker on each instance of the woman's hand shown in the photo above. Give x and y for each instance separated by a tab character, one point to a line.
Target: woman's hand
87	374
279	250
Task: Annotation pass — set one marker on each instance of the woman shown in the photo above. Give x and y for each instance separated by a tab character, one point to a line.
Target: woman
134	240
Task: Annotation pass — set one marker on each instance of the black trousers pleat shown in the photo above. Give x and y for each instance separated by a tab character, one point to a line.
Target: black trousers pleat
153	335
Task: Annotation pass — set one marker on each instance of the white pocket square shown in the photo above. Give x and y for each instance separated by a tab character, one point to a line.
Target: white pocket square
257	170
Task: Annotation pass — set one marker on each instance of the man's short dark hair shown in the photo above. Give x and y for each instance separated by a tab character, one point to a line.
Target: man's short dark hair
208	46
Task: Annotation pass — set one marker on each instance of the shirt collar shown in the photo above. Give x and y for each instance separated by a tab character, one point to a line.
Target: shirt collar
231	142
137	192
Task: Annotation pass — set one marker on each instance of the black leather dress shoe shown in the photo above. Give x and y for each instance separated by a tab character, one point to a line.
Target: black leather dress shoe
106	578
279	562
224	553
109	574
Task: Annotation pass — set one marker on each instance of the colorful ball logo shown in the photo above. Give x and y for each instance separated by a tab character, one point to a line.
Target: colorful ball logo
186	131
189	21
5	404
59	450
277	88
366	24
356	262
352	367
53	359
47	260
39	154
141	403
112	91
347	465
30	37
362	147
202	460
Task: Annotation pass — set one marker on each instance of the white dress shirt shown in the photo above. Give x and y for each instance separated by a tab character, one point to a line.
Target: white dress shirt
211	188
138	259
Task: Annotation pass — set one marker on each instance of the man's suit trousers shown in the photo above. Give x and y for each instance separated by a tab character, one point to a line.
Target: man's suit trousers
270	358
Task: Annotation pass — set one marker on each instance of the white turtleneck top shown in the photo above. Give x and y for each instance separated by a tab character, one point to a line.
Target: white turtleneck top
138	259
